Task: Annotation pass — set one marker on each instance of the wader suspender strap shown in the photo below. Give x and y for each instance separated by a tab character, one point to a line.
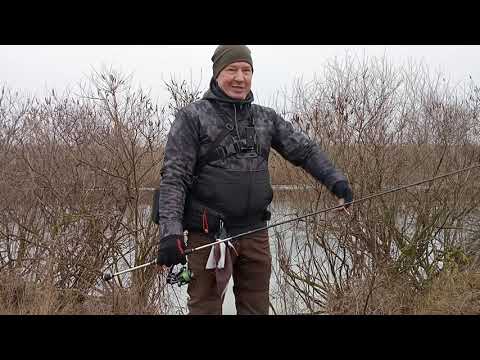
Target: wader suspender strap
215	152
212	154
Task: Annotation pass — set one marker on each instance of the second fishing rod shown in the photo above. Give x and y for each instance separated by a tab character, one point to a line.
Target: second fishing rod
183	277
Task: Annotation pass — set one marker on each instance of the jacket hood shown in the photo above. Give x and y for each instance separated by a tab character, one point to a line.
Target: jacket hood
217	94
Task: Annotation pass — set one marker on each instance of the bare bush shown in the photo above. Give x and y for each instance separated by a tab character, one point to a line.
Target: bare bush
384	126
73	195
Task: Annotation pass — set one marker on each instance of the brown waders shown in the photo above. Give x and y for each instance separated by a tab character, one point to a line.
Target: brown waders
251	276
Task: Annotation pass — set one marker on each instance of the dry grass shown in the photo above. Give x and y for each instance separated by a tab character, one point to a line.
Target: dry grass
379	294
20	297
451	293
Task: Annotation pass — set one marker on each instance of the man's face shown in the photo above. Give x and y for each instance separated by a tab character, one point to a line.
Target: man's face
236	80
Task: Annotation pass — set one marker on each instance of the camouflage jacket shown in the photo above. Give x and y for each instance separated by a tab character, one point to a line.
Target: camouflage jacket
238	186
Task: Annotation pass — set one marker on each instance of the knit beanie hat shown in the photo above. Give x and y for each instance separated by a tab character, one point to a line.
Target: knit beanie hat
224	55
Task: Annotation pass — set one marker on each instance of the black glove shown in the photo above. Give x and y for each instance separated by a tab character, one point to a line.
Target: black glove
343	191
171	251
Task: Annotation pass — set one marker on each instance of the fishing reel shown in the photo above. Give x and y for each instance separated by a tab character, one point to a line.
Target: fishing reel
182	277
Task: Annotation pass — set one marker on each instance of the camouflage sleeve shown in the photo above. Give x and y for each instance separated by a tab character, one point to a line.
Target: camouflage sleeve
295	147
177	172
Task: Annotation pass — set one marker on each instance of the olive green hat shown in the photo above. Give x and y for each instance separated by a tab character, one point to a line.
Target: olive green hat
224	55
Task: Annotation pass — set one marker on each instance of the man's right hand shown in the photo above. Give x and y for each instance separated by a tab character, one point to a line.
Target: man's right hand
171	251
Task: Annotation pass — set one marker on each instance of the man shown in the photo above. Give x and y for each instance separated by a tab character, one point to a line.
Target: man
215	178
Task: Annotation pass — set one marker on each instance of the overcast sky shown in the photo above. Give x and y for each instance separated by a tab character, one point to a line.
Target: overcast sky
35	68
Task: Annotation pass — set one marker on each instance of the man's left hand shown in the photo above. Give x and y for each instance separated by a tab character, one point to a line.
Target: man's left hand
343	191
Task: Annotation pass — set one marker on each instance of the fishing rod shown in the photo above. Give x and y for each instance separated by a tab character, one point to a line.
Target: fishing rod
108	276
183	274
181	278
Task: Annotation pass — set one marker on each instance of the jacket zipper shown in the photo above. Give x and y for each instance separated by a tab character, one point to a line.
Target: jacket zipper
247	210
